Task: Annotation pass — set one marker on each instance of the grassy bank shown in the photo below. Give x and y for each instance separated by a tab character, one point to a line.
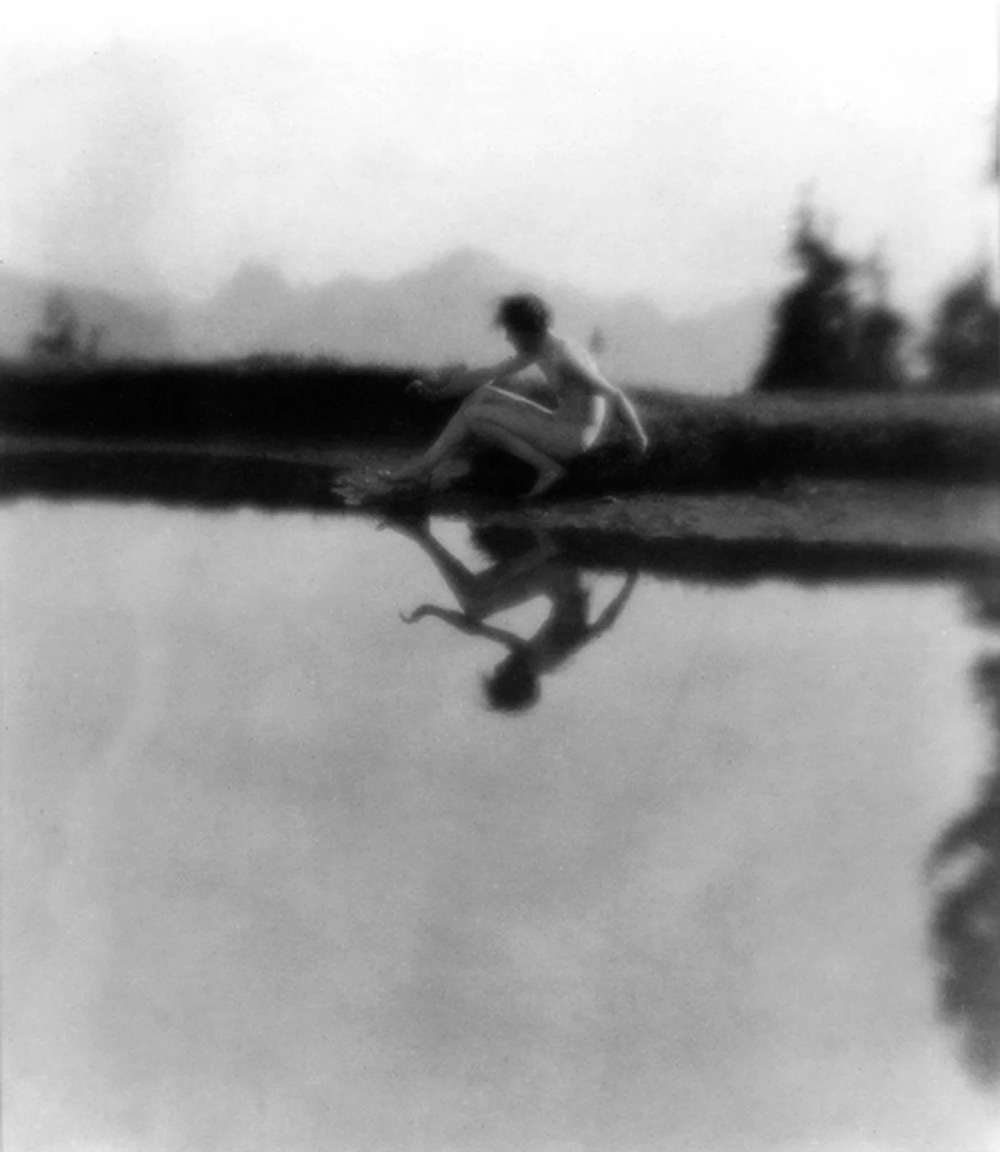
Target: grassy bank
702	443
747	440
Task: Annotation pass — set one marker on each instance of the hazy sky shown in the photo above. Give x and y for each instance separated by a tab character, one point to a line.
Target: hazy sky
607	145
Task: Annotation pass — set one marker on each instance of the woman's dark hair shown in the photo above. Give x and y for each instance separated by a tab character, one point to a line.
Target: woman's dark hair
513	684
526	313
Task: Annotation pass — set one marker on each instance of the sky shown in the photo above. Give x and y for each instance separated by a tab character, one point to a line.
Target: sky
624	148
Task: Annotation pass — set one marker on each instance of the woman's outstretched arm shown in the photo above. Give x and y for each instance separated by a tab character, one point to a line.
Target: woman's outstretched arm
626	410
460	381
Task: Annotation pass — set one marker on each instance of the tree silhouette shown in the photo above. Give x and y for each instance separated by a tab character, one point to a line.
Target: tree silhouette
964	346
963	349
60	338
878	331
811	339
60	328
965	867
825	336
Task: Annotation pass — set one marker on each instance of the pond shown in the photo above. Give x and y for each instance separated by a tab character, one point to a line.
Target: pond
293	862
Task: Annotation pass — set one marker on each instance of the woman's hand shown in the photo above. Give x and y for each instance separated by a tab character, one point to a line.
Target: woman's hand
426	389
637	435
637	441
440	383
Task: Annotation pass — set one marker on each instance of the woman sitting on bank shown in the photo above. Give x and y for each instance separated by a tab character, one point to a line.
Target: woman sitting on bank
543	437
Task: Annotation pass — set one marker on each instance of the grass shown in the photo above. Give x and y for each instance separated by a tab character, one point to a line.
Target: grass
748	440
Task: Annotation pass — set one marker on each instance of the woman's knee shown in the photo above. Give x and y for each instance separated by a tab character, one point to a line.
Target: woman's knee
463	418
478	426
478	401
498	423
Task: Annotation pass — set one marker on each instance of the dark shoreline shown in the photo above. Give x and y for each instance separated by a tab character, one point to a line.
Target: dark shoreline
804	531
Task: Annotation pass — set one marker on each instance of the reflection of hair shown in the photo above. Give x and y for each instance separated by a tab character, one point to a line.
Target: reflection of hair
526	314
513	684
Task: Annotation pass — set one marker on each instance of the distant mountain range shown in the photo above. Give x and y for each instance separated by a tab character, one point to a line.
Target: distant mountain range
436	314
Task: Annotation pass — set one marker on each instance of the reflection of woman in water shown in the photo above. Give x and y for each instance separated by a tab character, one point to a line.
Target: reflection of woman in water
514	683
543	437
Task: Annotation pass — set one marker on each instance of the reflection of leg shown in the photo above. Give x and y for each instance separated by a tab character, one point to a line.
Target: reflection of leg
470	588
459	579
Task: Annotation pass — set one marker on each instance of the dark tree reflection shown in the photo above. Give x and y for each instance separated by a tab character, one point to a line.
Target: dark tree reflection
983	600
965	868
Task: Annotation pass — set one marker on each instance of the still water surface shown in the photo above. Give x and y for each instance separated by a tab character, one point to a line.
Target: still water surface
277	876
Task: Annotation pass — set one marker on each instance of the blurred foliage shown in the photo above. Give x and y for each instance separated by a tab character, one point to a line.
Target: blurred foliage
963	349
61	338
834	328
965	867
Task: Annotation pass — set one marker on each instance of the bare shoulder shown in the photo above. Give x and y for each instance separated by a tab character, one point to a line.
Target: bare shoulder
568	351
574	362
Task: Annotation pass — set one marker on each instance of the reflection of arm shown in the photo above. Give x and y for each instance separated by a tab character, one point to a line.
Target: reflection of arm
609	616
464	624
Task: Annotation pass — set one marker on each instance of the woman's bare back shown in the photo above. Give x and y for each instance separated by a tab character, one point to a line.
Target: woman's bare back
576	423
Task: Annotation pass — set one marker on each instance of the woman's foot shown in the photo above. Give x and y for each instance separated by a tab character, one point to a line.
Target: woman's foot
402	480
548	476
412	522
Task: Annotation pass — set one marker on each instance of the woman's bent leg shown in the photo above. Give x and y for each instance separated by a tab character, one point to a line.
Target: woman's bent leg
549	471
542	430
521	427
455	438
